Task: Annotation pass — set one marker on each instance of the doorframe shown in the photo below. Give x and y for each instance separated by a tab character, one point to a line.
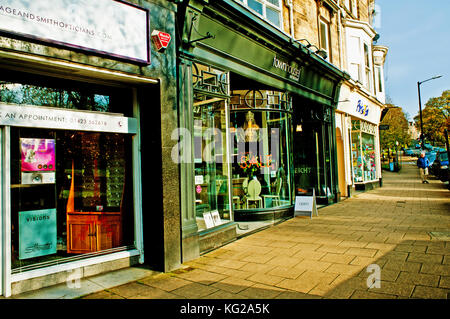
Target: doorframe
5	213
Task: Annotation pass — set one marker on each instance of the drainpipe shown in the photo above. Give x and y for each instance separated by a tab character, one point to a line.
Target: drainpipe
340	34
291	17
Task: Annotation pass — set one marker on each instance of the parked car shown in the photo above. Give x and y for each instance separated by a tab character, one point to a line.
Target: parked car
408	152
440	166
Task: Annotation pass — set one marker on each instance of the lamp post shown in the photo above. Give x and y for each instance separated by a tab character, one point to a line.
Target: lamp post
420	108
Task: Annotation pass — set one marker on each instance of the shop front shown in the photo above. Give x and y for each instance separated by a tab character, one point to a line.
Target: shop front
359	117
71	126
243	103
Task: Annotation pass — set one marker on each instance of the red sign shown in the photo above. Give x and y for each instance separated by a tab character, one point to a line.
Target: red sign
160	39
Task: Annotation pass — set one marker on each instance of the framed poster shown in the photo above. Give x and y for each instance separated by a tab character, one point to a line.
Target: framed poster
37	233
37	160
216	217
208	220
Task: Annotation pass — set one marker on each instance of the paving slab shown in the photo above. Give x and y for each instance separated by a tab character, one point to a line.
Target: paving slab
398	229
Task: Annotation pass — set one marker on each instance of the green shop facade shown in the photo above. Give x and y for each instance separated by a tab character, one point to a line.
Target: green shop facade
257	128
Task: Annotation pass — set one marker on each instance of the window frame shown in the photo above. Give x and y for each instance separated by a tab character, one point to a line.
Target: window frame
367	62
265	3
323	22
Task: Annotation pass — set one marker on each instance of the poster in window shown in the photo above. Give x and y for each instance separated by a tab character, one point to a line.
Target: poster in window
37	233
209	222
37	160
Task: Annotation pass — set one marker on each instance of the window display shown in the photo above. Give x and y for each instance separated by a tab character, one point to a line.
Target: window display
363	152
260	136
85	206
210	153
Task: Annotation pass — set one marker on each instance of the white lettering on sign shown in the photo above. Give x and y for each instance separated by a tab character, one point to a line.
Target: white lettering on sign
108	27
293	71
33	116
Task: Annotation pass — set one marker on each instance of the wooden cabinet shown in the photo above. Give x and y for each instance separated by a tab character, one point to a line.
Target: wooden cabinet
93	231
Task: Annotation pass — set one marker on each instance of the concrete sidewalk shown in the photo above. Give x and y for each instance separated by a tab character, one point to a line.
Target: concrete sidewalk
403	228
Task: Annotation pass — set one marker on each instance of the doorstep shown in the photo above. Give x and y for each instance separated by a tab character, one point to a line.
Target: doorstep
88	285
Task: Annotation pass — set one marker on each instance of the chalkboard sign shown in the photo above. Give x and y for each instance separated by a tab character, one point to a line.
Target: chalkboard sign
305	205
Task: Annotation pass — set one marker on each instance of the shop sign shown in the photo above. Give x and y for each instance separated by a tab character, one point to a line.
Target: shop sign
383	127
357	106
362	109
367	127
109	27
293	71
305	204
37	233
54	118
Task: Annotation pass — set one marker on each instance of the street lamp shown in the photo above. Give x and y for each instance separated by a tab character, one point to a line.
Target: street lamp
420	108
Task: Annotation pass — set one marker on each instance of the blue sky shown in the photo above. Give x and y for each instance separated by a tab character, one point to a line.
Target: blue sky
417	33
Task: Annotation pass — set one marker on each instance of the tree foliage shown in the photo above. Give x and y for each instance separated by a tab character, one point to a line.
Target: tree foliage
398	128
435	117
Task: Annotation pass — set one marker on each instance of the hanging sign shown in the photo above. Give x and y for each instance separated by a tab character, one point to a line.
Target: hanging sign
109	27
58	118
37	233
305	204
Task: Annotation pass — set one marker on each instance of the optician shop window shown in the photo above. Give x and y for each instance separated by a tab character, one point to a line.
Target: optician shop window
260	135
71	192
363	151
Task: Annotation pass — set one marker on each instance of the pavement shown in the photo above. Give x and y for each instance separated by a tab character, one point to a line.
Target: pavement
390	242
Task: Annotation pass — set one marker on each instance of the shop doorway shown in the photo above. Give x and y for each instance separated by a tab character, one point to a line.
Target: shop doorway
313	164
341	162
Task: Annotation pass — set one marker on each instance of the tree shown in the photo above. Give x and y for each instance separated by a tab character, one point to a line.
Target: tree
435	118
398	128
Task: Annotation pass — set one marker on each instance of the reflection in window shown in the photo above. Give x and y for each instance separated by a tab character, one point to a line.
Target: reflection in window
210	153
20	89
261	144
363	154
70	194
211	173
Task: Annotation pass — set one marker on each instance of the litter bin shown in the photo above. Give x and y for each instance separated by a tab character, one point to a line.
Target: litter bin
391	166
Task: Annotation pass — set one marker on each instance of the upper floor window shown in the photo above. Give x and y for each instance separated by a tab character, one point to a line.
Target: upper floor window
269	10
359	54
367	67
379	79
324	30
352	6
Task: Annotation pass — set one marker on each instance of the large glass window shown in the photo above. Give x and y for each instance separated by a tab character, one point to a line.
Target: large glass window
27	89
260	132
363	152
70	195
212	205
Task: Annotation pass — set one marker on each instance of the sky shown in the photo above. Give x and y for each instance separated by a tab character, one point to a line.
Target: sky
417	33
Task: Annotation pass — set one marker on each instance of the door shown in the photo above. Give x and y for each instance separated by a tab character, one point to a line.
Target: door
341	162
